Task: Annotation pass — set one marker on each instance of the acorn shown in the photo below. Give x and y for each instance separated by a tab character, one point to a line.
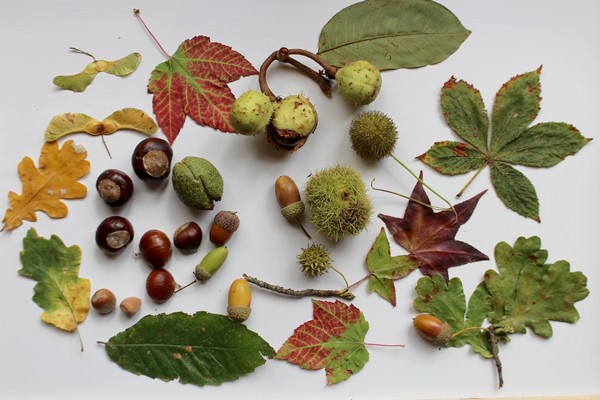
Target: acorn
433	329
223	227
251	112
294	119
210	263
359	82
373	135
290	203
239	299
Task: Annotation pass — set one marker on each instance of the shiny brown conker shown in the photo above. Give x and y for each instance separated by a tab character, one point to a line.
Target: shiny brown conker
151	159
114	187
188	237
155	248
160	285
114	234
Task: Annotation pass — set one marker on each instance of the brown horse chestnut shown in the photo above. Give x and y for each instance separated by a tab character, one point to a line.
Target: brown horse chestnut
188	237
115	187
151	159
114	234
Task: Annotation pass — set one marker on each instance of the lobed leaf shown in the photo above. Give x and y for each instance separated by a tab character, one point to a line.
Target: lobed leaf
333	340
200	349
64	296
391	34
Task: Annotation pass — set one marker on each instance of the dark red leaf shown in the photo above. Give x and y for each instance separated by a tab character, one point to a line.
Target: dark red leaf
429	236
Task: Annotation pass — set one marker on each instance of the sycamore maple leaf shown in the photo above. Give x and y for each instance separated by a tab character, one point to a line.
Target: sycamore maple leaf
193	82
510	141
333	339
429	236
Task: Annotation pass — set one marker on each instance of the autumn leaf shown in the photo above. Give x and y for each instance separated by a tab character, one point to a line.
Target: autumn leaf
429	236
511	142
64	296
200	349
80	81
384	268
333	340
127	118
193	82
43	188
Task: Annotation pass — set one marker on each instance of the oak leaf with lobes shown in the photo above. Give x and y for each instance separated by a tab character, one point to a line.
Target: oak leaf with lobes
193	82
429	236
43	188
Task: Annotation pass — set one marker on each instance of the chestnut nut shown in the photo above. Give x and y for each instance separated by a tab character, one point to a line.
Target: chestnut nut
155	248
160	285
114	187
188	237
114	234
151	159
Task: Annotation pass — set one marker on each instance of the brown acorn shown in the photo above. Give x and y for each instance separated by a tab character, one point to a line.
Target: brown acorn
433	329
223	227
288	197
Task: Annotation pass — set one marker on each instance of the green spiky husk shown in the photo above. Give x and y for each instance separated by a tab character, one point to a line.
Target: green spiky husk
314	260
338	203
373	135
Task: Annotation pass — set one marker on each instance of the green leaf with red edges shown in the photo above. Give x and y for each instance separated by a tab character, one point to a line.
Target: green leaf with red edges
333	340
194	82
384	268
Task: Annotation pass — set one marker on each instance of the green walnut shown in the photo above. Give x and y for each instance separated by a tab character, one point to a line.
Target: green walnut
197	183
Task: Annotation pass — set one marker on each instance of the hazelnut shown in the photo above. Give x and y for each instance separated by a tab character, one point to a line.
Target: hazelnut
130	305
104	301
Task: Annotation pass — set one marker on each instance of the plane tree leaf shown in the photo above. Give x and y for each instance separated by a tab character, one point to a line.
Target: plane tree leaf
333	340
80	81
199	349
392	34
429	236
193	81
126	118
43	188
64	296
512	141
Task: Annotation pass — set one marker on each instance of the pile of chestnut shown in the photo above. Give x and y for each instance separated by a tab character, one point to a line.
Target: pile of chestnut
151	161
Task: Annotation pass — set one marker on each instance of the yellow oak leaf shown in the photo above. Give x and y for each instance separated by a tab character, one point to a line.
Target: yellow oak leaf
43	188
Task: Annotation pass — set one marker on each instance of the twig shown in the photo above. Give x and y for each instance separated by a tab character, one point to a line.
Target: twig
344	293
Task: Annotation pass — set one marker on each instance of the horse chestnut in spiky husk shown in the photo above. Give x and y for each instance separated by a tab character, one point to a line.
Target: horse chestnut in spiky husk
359	82
251	112
314	260
338	203
373	135
294	119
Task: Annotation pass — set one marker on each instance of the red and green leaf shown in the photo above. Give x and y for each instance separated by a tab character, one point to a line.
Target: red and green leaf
333	340
193	82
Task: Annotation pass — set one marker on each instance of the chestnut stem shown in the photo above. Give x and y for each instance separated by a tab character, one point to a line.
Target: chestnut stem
344	293
283	56
328	69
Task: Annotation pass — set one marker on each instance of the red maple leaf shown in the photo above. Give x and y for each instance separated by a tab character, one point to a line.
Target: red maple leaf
429	236
194	82
333	339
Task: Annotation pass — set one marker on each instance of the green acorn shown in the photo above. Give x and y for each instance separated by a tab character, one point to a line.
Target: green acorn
314	260
359	82
338	203
251	112
373	135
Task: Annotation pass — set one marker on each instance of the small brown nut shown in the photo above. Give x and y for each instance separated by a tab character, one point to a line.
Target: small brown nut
130	305
223	227
104	301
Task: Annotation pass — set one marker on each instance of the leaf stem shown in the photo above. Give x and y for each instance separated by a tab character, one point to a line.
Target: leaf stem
471	180
358	282
136	12
340	274
344	293
383	345
403	196
80	339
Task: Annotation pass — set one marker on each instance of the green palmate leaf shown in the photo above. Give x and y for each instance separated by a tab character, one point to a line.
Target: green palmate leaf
385	269
201	349
392	34
80	81
64	296
512	140
528	292
333	340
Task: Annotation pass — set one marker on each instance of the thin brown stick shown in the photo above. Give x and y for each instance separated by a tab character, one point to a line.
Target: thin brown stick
344	293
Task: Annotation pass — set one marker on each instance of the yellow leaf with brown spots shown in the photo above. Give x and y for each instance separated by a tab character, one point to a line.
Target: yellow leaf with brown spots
43	188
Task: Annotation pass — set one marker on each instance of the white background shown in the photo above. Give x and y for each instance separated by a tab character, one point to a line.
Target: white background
509	37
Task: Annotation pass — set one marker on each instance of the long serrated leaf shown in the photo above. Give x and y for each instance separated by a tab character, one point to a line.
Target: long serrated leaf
453	158
515	190
543	145
392	34
465	113
516	105
201	349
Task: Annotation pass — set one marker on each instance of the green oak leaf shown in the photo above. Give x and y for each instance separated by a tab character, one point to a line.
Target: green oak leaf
392	34
64	296
200	349
512	140
80	81
384	268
